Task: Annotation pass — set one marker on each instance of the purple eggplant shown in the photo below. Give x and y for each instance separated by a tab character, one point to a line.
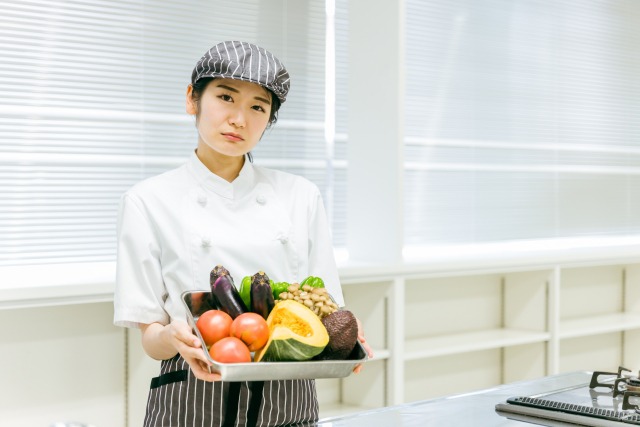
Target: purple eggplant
262	301
226	297
218	271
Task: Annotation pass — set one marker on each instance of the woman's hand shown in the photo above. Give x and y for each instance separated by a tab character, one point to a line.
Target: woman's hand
365	344
190	348
163	342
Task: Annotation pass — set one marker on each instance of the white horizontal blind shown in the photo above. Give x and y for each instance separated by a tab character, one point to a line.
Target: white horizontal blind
339	158
92	101
521	120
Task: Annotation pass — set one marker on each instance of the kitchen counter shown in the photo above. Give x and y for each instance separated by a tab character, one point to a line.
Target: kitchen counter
472	409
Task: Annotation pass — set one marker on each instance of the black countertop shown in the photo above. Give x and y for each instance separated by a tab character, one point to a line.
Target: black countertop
472	409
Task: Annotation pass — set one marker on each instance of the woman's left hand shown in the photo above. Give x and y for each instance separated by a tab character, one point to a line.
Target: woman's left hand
365	344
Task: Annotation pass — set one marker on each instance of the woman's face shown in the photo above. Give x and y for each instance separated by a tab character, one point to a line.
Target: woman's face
231	116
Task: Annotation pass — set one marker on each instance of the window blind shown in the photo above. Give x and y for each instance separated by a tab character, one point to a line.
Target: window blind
92	101
339	158
521	120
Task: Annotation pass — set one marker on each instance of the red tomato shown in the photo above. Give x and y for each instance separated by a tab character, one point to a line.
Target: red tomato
230	350
252	329
213	326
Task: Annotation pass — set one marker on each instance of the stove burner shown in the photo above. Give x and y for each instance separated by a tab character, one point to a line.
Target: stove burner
625	383
633	384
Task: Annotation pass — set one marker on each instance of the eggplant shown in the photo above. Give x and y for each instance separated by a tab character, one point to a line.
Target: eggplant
226	296
262	301
218	271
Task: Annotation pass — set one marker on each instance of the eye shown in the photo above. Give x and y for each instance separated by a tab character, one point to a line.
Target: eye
259	108
226	97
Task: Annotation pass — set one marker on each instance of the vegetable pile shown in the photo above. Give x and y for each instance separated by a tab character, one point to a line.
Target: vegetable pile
277	321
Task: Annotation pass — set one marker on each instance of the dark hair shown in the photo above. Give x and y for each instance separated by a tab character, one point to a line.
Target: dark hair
201	85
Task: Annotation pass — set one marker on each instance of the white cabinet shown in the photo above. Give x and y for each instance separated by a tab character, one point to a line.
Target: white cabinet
62	364
441	327
439	331
599	317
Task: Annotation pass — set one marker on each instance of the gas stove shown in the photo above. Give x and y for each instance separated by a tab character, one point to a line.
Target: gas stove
610	399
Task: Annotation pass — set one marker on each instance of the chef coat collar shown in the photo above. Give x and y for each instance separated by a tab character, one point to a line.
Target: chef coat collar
210	181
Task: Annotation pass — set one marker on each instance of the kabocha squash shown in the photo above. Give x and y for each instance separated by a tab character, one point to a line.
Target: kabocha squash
296	334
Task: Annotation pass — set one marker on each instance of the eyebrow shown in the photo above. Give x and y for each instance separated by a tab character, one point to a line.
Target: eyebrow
232	89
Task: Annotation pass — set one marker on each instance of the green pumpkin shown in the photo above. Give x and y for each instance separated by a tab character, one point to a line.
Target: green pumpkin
296	334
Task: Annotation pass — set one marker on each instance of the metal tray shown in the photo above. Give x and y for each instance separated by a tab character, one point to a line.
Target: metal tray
197	302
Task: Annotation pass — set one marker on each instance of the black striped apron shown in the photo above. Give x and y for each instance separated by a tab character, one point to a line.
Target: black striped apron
178	399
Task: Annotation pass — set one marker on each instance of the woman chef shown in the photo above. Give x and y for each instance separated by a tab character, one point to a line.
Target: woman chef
219	208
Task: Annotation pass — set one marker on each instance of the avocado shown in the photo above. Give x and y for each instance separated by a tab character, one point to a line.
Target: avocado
342	328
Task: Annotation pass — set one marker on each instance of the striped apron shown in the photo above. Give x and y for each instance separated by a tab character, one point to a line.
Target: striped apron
179	399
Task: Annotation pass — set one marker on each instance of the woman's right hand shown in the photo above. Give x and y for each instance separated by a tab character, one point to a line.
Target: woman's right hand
190	348
163	342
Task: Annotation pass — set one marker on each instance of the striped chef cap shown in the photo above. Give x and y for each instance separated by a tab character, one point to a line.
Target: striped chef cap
244	61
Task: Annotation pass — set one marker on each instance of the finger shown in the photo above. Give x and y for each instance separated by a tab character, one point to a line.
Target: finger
195	357
210	375
357	368
200	368
214	376
369	350
183	332
201	358
203	365
189	346
190	339
205	375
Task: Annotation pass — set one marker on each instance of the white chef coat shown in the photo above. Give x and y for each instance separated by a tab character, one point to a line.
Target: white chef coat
174	228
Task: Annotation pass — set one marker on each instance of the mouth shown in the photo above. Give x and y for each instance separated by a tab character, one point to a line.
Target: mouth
232	136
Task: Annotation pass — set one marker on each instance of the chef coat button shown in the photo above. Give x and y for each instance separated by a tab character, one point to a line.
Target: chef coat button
206	242
261	200
202	201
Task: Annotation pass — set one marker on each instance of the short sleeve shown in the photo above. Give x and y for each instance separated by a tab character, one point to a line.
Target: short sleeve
322	261
140	291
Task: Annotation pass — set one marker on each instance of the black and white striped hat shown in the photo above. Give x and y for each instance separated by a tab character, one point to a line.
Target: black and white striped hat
244	61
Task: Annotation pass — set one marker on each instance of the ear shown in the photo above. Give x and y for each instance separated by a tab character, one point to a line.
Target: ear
191	106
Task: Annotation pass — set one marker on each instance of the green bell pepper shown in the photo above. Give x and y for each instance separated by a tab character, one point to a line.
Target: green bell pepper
313	281
278	288
245	290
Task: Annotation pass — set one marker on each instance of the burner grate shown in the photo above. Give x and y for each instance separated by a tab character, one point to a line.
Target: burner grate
596	382
625	384
570	408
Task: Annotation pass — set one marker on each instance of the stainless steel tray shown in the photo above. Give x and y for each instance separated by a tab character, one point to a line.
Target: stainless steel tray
197	302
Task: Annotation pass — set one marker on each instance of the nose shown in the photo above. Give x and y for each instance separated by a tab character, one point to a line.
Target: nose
237	118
